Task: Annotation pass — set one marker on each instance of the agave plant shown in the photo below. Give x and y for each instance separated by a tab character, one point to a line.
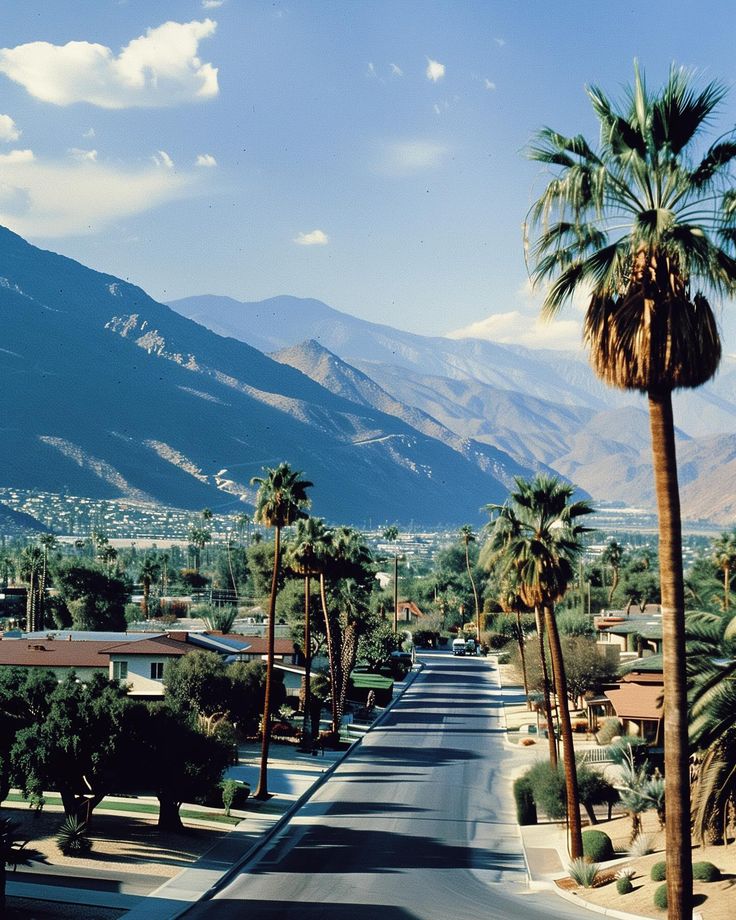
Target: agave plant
72	839
583	873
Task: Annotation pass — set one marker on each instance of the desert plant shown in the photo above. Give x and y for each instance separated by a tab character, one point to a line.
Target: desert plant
229	789
548	788
72	839
623	885
597	846
658	872
641	845
626	872
610	729
526	810
660	897
706	872
583	873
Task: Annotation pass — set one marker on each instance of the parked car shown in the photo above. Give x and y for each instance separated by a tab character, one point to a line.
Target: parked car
459	647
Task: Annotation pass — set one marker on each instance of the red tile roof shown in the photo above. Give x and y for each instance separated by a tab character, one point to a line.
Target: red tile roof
51	653
159	646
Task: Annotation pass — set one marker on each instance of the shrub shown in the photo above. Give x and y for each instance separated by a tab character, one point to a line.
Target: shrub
229	789
659	872
597	846
626	872
548	788
582	872
660	897
526	810
706	872
609	730
72	839
641	845
623	885
504	658
631	749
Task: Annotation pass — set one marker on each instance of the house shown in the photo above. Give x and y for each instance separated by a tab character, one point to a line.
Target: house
408	612
255	648
636	701
640	635
140	664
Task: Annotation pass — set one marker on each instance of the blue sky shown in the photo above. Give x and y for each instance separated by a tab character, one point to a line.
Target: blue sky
369	154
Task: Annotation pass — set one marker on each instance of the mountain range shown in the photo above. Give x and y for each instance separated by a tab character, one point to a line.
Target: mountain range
108	393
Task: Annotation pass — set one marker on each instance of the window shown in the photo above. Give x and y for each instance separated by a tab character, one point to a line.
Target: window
120	670
157	670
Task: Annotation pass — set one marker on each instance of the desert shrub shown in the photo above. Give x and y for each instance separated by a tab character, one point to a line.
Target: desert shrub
234	794
583	872
572	623
609	730
597	846
631	749
706	872
660	897
623	885
526	810
548	788
658	872
504	658
641	845
72	839
626	872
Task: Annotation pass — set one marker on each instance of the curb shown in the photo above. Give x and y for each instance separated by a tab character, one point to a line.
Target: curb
605	911
268	835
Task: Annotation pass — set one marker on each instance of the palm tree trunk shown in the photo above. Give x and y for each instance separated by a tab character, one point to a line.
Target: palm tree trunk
396	592
545	690
307	730
568	751
726	586
475	596
678	846
262	790
522	655
333	656
614	585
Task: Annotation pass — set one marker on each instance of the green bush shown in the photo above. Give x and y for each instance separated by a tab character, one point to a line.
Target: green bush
609	730
623	885
706	872
597	846
660	897
526	810
504	658
72	839
659	872
548	788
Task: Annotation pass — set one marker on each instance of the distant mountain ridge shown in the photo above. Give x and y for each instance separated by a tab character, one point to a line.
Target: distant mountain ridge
108	393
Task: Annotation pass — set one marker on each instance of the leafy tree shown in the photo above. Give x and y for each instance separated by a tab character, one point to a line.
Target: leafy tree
248	684
95	600
75	749
281	499
377	643
644	224
586	671
199	683
537	537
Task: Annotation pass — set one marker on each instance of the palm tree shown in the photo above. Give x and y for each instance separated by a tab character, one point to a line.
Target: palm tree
281	499
468	537
30	571
644	227
613	555
724	556
538	539
48	541
392	535
148	572
304	558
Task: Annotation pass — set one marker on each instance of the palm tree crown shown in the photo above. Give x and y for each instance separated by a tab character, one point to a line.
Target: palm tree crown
645	225
281	497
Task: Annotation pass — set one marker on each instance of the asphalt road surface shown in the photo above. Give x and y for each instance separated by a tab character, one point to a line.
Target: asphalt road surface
416	824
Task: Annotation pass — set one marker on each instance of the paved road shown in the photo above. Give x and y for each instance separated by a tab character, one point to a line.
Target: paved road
417	824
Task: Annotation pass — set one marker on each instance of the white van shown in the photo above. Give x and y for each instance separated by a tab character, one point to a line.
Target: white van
459	646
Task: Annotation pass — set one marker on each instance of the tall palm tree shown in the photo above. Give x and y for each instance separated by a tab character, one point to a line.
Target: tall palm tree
644	227
304	557
30	571
391	534
613	555
468	537
281	500
538	539
48	542
148	572
724	556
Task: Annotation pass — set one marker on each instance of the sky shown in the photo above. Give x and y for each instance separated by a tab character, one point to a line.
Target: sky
367	153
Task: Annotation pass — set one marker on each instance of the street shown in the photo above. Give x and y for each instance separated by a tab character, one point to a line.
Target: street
416	824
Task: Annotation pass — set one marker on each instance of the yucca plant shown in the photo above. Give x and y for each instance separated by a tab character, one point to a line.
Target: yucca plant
72	839
583	873
641	845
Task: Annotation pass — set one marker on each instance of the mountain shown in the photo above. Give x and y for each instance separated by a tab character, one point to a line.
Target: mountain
107	393
545	409
17	524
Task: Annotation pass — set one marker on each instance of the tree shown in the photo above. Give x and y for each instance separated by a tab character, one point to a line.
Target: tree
724	556
148	572
30	570
612	556
391	534
95	600
468	537
198	683
644	226
281	499
537	537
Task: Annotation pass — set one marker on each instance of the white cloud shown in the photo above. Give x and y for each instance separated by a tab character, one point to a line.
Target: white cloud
206	159
313	238
83	155
517	328
54	198
159	68
9	131
396	71
489	84
163	160
212	4
435	71
406	157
